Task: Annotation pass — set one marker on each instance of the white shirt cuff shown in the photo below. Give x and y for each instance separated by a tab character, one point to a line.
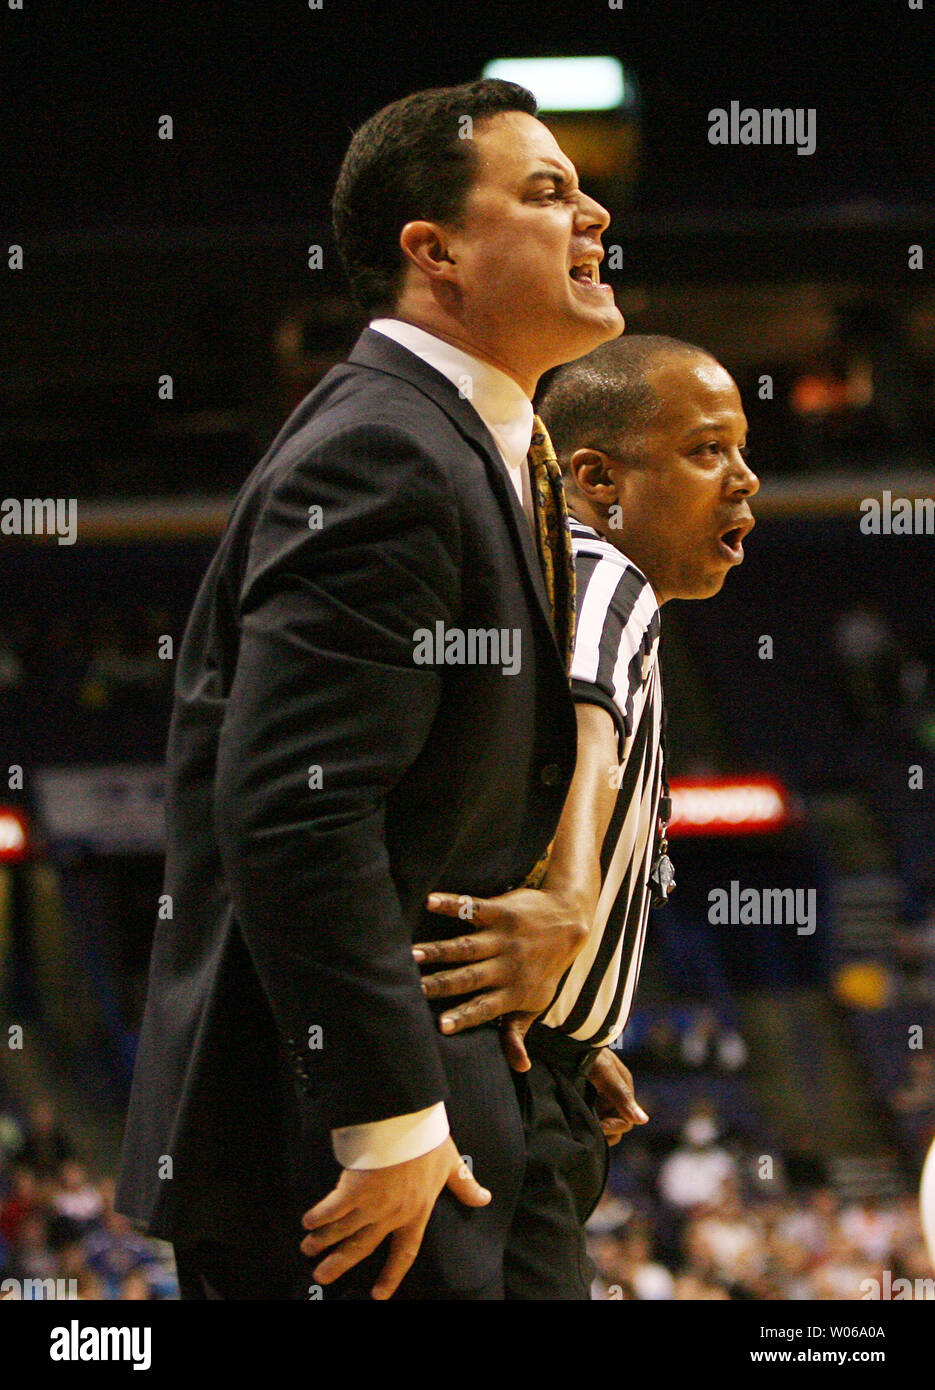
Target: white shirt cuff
385	1142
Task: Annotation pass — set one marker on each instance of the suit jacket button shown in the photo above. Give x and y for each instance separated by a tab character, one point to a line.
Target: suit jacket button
552	775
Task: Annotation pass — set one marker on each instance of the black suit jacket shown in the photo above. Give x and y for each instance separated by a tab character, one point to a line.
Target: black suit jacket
319	784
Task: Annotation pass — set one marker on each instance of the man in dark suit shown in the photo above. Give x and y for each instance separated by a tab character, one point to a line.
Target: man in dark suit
371	702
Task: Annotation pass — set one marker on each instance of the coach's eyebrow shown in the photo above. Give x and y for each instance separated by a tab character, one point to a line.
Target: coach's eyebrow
556	176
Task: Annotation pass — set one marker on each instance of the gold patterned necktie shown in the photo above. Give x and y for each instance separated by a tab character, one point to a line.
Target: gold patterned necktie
554	542
553	537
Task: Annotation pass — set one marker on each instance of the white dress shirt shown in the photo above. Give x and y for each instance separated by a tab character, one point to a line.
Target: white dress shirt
507	412
500	401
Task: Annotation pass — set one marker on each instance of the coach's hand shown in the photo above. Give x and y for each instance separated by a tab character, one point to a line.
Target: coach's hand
511	966
617	1107
369	1205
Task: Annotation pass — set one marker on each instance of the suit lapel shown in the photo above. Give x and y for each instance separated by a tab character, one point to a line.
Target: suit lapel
383	354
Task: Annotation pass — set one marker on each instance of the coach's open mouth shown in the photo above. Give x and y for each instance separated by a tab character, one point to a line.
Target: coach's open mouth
587	275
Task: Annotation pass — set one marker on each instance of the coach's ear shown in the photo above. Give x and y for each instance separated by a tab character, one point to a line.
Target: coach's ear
426	246
593	478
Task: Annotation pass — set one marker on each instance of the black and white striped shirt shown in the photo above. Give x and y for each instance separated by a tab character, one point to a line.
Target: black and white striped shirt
615	665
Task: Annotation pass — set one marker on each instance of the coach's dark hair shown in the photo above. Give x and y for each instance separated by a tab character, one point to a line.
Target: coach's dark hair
604	400
409	161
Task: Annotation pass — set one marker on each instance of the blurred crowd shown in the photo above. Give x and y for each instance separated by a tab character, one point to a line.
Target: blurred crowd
706	1219
687	1041
885	681
57	1222
713	1219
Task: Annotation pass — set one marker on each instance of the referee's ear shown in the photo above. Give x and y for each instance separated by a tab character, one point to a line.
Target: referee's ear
591	475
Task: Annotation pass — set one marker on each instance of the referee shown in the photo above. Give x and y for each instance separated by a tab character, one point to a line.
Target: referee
651	435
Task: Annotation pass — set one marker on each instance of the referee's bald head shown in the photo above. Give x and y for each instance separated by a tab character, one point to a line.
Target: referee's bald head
606	399
652	437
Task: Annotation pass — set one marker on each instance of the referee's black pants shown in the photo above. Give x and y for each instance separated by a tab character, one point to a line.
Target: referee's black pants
545	1257
567	1159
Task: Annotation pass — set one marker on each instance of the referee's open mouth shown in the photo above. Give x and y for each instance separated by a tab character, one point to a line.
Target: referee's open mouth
730	541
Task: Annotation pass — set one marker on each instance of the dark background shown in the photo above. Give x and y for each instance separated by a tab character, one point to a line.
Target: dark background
264	98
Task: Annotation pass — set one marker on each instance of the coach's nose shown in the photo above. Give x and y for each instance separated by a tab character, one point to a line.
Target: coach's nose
591	214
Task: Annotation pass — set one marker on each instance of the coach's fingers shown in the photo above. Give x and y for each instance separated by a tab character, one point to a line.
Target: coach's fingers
349	1253
323	1236
483	1008
478	946
404	1247
462	1184
338	1203
468	980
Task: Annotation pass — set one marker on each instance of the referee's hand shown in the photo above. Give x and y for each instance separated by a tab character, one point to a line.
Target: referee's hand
617	1107
367	1205
510	963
